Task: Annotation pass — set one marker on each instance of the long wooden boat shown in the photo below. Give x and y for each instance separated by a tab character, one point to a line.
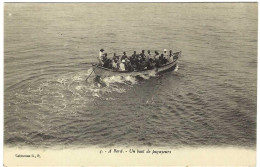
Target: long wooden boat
105	72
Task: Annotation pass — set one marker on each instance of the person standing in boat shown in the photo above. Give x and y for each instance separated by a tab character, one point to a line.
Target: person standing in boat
100	57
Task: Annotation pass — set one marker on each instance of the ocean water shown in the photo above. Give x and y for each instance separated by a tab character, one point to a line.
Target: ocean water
209	101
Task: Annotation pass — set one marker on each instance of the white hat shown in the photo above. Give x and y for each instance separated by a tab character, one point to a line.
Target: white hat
164	50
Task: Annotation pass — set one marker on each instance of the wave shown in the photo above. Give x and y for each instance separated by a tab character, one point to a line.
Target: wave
72	90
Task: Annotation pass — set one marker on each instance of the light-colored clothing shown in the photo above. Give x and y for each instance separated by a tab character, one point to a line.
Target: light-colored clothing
170	58
148	57
165	54
101	54
100	57
156	57
114	65
122	67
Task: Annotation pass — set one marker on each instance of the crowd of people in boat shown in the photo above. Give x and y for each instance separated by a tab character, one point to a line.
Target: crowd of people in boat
135	62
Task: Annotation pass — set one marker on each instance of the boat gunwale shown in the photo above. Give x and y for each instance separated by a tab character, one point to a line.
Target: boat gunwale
110	70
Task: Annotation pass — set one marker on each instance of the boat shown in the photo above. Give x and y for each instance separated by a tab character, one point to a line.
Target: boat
106	72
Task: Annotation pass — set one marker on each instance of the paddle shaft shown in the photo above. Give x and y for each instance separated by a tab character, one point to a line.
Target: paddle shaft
90	74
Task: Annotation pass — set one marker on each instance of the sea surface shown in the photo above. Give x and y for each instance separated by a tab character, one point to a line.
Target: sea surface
210	100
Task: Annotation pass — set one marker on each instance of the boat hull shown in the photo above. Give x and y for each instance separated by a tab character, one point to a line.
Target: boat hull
105	72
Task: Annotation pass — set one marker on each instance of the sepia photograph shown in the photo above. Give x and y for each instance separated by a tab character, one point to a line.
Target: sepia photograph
130	84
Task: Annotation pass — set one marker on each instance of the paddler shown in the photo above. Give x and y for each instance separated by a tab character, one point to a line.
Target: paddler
100	57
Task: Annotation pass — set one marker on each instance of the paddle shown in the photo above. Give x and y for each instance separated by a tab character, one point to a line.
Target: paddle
90	73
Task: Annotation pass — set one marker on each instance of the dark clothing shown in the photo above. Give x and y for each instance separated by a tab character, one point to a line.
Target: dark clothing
124	57
143	56
162	59
129	67
108	63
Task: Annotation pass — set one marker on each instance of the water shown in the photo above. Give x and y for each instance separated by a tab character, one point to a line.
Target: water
209	101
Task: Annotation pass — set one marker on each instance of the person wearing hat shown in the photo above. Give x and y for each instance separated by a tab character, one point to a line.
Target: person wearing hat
165	56
100	58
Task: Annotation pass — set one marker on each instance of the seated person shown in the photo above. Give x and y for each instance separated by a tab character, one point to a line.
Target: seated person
132	58
122	65
165	52
157	62
104	59
114	64
150	64
124	56
143	55
175	55
115	57
107	62
128	65
163	59
134	55
165	56
149	56
170	56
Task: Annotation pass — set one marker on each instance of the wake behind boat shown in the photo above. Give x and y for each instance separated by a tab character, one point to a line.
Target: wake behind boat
105	72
